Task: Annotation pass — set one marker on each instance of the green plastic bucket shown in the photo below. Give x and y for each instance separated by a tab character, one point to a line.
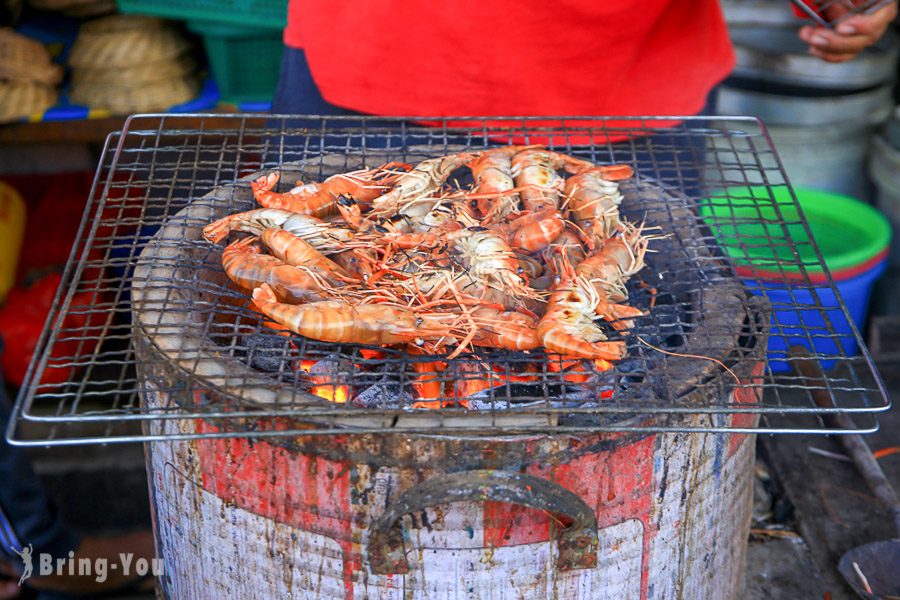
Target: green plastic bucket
760	229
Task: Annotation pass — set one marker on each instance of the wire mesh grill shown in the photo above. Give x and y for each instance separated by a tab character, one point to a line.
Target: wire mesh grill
148	330
830	13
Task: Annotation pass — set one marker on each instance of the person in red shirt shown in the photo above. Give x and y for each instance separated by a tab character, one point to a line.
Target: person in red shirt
506	57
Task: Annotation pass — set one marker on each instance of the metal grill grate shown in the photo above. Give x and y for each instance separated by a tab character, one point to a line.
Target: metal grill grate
194	349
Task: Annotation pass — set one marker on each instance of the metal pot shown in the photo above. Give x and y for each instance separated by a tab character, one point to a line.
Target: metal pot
822	141
776	54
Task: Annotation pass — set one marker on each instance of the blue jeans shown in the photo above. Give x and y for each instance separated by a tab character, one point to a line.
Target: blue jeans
27	515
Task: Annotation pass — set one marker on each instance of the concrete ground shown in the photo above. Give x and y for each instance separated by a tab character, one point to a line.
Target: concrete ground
830	509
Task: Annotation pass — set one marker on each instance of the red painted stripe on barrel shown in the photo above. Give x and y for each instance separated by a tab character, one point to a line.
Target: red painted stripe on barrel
301	490
749	393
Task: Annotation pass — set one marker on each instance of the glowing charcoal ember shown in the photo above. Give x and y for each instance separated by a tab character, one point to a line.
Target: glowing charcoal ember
473	378
337	394
521	374
428	381
602	365
435	404
326	373
371	354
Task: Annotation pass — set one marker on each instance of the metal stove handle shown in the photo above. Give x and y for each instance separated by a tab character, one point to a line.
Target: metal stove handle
577	542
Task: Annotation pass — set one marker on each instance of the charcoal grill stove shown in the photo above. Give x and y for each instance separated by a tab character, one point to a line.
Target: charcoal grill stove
633	483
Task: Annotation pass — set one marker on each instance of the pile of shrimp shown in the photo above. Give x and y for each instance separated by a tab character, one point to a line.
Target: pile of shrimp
534	254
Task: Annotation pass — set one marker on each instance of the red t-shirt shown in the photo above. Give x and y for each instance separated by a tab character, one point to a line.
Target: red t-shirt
509	57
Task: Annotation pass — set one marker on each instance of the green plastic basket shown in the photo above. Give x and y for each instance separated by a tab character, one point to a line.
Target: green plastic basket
244	61
259	13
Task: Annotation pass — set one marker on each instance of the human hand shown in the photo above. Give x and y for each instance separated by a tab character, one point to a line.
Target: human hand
9	586
9	589
851	36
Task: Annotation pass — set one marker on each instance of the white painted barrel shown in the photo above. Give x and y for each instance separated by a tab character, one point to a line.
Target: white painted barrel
250	519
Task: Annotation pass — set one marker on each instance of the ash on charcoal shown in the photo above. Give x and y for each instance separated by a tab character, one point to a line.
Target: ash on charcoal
333	369
579	396
483	401
594	419
389	395
266	352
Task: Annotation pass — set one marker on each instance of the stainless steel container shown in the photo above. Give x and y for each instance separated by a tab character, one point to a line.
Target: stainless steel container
884	168
777	55
820	115
823	141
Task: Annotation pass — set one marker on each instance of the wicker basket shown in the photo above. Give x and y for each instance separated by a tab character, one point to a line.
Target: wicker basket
127	99
22	99
127	64
124	41
137	75
25	59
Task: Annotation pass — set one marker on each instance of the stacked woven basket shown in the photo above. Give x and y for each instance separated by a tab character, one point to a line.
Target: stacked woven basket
28	78
127	64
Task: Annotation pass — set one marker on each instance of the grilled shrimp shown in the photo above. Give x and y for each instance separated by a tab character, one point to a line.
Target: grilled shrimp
345	323
569	243
610	267
534	231
317	199
493	176
245	266
568	326
508	329
429	214
534	170
296	252
419	215
426	178
594	199
434	285
529	266
325	237
488	258
488	268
